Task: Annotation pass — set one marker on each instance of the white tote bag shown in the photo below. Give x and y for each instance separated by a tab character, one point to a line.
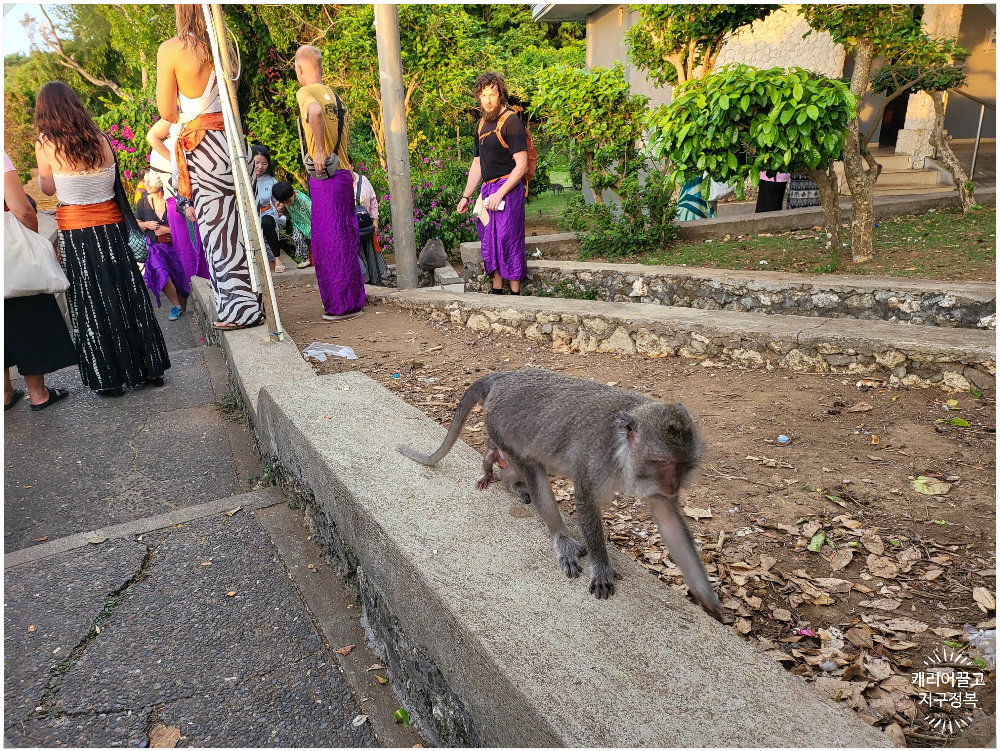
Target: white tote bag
29	262
719	190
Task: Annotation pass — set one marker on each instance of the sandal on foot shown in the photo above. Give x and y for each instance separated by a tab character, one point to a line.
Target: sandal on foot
14	399
55	395
346	316
219	326
278	267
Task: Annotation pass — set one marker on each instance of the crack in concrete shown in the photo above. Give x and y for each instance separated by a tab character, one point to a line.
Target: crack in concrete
111	603
135	457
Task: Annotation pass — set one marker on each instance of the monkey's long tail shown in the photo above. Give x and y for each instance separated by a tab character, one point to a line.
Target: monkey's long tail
477	393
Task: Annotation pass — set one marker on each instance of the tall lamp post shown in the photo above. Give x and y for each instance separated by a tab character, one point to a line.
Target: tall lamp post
246	199
397	151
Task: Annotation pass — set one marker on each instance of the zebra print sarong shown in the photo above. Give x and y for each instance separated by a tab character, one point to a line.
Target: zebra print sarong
215	205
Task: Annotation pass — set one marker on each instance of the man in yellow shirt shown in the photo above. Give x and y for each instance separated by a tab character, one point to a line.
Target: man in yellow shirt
334	223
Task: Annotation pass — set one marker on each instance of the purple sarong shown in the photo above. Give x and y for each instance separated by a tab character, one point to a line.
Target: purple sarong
335	243
163	265
503	238
191	254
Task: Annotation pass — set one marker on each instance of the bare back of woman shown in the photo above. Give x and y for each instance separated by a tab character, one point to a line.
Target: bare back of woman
187	93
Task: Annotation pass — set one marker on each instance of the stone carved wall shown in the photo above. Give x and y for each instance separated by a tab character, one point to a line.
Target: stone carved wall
777	41
914	140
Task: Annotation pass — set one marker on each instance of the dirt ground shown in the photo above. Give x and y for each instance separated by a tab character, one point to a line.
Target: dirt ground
820	549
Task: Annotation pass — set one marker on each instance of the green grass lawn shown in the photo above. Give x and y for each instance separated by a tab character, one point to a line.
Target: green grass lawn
941	244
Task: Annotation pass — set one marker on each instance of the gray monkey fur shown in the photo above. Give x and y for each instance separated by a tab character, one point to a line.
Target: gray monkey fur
607	440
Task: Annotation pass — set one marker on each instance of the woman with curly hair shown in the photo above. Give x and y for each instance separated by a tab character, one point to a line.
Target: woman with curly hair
118	342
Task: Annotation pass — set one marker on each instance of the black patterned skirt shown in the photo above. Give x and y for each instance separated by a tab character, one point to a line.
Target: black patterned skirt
802	192
118	340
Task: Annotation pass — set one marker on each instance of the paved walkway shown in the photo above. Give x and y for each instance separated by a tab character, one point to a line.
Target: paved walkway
176	616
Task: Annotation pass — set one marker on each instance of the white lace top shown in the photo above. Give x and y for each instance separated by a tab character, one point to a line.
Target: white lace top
85	187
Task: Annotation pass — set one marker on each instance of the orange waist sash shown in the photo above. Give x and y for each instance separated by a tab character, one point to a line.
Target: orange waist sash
188	140
87	215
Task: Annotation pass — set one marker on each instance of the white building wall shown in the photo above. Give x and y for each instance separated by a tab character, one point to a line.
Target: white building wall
776	42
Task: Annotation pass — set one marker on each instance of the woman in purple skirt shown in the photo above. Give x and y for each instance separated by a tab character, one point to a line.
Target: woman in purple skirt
163	270
500	160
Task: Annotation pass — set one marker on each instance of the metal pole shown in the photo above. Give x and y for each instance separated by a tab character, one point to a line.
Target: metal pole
246	199
397	151
975	149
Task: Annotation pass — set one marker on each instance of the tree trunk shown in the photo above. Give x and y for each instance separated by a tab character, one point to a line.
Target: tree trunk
829	196
946	155
860	180
588	163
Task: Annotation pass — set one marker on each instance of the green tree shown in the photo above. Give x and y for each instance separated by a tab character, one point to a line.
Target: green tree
740	121
675	43
894	33
597	111
935	80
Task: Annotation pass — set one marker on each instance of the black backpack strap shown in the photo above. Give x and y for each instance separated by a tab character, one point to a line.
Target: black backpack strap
340	123
357	193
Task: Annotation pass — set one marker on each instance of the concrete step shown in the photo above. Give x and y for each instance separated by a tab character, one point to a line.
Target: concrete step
908	355
908	178
921	190
486	641
917	301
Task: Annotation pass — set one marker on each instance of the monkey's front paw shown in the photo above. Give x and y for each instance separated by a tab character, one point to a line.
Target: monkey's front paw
484	482
568	552
602	580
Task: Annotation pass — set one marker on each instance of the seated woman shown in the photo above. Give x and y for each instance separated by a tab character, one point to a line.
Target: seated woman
265	204
164	271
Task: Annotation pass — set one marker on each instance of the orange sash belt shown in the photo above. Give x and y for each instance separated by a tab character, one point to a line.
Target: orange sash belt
74	216
188	140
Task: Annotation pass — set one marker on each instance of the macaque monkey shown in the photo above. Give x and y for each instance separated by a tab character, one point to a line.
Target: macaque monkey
508	476
606	440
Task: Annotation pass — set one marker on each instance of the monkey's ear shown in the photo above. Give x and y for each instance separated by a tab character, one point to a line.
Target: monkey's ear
627	425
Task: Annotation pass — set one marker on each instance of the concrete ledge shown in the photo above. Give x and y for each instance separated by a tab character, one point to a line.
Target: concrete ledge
910	355
886	207
254	360
485	641
918	301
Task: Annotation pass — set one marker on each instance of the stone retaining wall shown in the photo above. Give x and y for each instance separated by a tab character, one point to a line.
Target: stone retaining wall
909	356
958	304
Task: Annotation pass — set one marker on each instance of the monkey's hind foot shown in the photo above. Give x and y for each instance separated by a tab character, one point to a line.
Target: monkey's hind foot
568	553
602	580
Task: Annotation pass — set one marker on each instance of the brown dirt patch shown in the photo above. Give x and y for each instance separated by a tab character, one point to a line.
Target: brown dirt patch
931	552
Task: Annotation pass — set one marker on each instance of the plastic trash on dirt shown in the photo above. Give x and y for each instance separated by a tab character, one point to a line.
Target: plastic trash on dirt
983	642
319	350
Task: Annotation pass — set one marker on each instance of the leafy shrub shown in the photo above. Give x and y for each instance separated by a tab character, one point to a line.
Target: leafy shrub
127	122
438	184
644	221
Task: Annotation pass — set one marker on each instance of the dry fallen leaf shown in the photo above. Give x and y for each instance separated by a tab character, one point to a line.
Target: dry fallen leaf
380	679
873	542
860	407
906	624
698	513
947	633
984	599
32	627
882	604
161	736
376	666
840	559
766	562
860	637
900	684
834	585
878	669
780	614
231	593
933	573
882	567
743	626
345	650
895	733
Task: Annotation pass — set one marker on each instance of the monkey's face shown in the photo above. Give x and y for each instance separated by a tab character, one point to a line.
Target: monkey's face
663	449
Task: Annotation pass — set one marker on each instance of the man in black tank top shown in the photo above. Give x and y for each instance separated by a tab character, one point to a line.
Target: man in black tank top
500	162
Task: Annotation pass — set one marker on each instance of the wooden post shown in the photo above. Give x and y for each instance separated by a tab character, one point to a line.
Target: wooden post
397	151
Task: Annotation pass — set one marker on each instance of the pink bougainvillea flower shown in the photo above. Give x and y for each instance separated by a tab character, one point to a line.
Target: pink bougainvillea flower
113	129
128	174
426	160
